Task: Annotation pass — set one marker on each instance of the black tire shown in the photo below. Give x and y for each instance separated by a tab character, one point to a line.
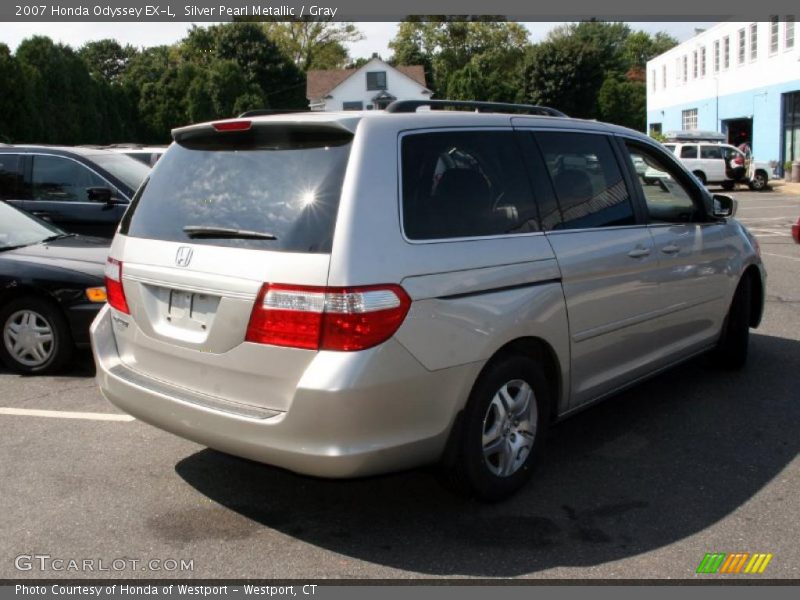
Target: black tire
701	177
759	182
61	347
731	350
469	471
728	185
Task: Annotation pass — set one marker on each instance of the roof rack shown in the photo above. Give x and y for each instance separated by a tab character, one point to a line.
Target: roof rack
408	106
260	112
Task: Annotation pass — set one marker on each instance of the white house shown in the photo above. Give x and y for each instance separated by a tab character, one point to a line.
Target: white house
742	79
373	86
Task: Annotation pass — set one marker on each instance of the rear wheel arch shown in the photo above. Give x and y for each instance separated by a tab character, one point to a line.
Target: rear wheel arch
530	347
544	354
756	294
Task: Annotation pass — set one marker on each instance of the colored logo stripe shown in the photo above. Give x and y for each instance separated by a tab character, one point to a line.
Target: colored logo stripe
720	562
711	562
758	563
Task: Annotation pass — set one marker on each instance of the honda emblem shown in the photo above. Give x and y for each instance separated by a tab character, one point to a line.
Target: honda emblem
184	256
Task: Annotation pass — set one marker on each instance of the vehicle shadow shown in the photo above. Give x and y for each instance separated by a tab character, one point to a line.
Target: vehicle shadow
659	463
81	365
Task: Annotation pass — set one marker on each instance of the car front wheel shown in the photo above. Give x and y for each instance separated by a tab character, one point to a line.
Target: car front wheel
35	336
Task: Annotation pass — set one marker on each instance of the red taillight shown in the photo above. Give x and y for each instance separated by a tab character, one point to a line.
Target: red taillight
738	160
114	289
232	125
320	318
796	231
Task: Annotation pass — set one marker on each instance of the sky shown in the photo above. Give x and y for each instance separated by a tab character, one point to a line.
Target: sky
377	35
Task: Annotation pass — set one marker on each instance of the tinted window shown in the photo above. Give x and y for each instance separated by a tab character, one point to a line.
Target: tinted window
689	152
10	176
273	180
128	170
587	180
670	147
62	179
668	200
710	152
465	184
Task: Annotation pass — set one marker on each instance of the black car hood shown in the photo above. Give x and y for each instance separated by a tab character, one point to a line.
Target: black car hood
78	253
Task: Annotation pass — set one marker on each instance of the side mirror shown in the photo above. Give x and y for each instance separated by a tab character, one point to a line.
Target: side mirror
99	194
724	206
103	195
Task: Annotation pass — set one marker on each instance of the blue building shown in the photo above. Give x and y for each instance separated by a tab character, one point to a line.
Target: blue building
741	79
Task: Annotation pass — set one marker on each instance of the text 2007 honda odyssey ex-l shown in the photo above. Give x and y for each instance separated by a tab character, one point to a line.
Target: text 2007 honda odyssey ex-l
343	294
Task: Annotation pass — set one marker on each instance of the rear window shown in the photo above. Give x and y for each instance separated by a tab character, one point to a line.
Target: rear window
281	182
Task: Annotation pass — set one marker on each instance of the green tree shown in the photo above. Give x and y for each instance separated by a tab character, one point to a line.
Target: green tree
313	44
445	46
106	59
623	102
16	99
593	70
63	92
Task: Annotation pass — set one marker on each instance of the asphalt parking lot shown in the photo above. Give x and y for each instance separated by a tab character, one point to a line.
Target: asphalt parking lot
697	460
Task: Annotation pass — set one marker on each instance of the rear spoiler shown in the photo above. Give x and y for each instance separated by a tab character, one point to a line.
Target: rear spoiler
325	125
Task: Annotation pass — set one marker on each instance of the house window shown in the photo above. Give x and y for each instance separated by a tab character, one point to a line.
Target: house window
726	52
788	35
655	128
695	70
689	119
753	41
678	71
352	106
663	77
376	80
742	46
685	68
773	34
703	61
716	56
653	77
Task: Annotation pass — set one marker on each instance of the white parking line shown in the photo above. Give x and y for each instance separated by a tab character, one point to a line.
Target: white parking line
62	414
782	256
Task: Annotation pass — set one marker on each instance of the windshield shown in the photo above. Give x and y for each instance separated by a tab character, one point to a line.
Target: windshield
129	171
21	229
273	190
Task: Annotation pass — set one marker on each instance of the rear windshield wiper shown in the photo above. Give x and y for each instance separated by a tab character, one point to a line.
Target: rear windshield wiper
60	236
202	231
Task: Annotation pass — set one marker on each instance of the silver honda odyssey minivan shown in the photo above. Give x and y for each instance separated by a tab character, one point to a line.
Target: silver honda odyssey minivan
344	294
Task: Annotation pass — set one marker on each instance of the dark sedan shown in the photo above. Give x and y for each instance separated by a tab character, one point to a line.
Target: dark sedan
51	287
81	190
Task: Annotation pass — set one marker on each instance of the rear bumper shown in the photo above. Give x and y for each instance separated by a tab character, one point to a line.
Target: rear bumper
352	414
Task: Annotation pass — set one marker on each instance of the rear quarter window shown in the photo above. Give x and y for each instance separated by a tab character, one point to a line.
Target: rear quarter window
460	184
268	180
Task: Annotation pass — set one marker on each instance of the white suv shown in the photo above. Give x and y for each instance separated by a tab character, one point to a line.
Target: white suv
344	294
715	163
